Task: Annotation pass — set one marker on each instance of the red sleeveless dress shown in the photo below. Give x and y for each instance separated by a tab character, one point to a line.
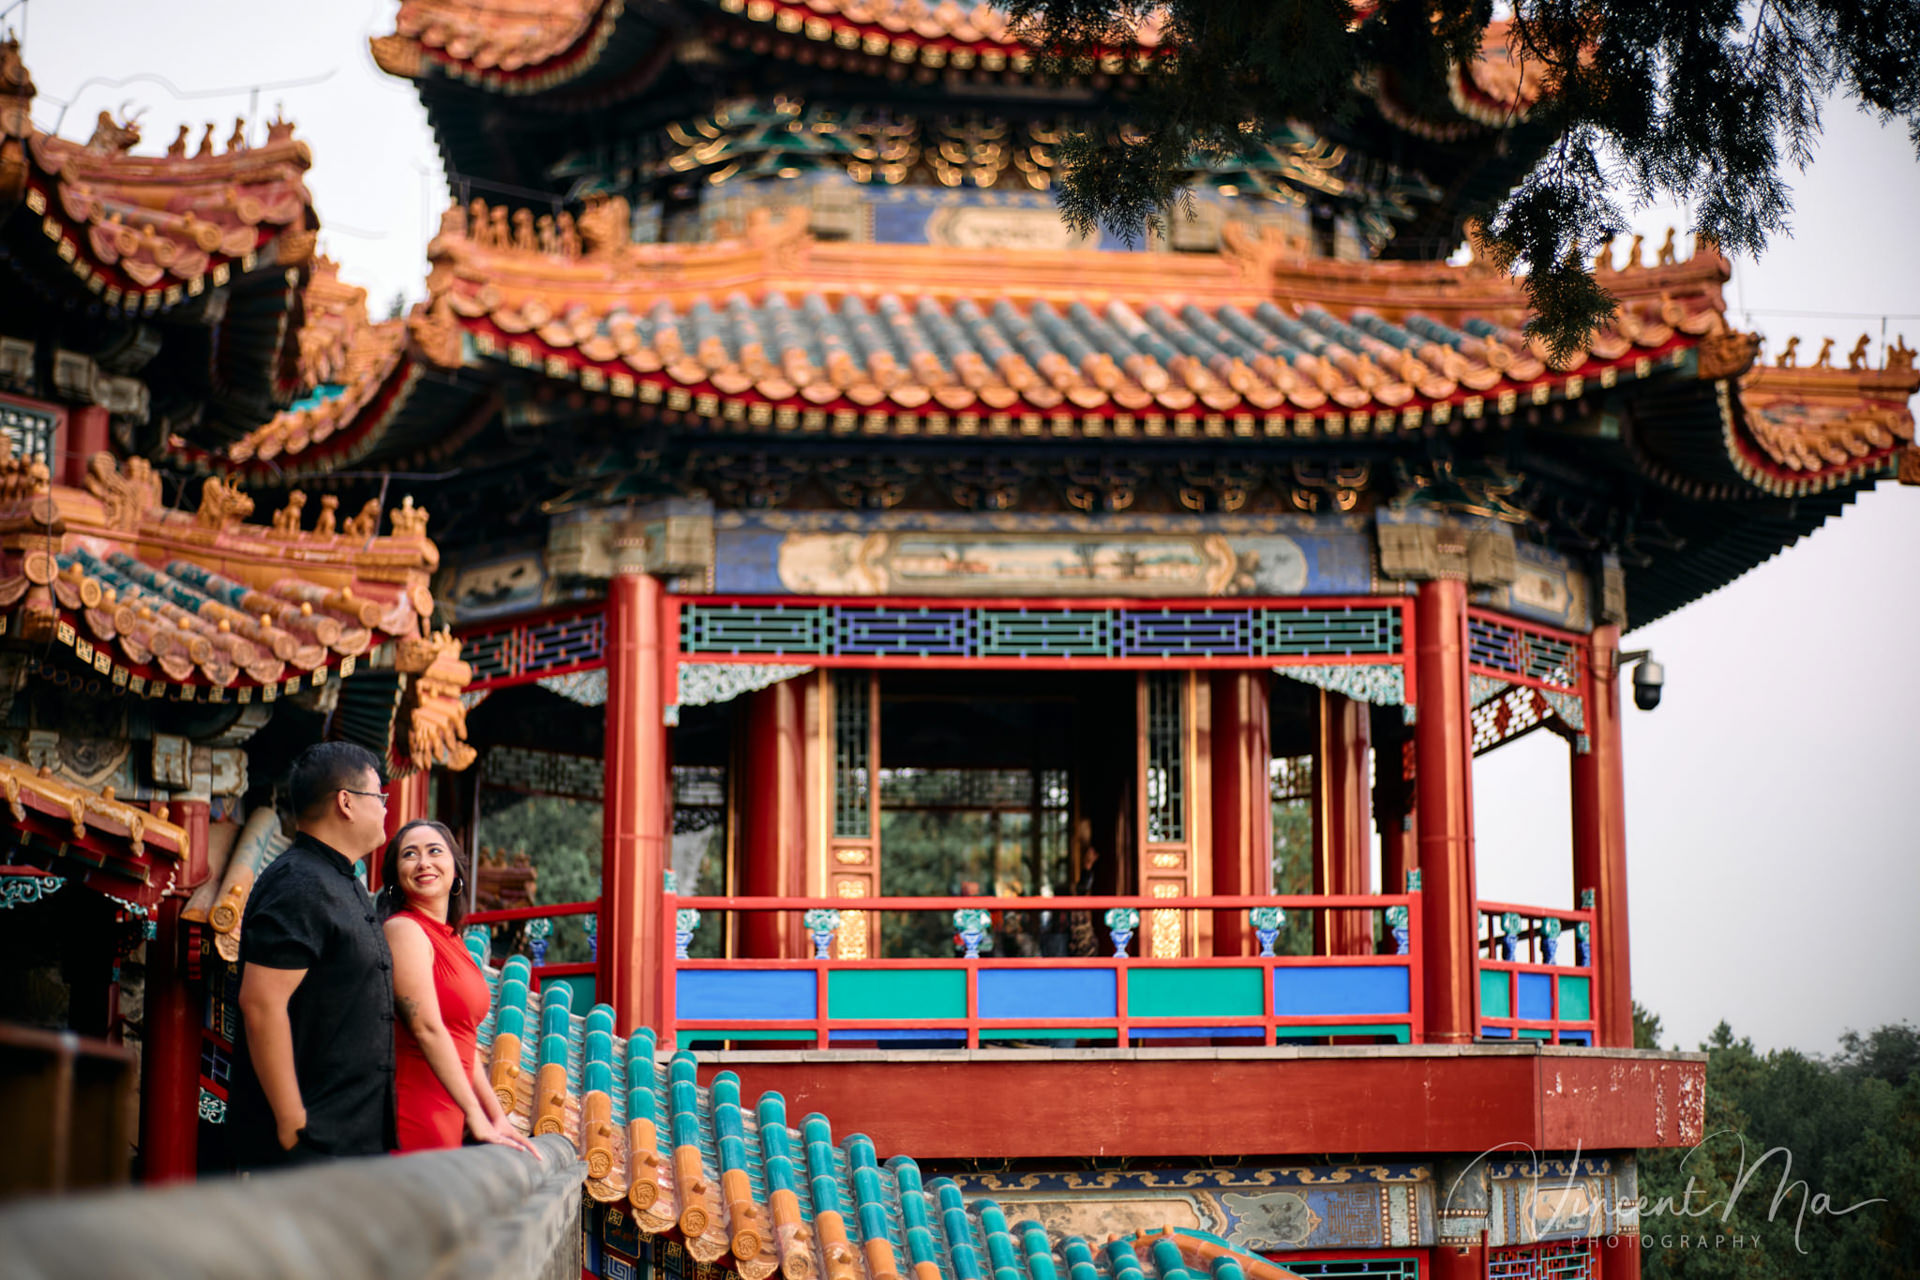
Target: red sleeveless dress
428	1115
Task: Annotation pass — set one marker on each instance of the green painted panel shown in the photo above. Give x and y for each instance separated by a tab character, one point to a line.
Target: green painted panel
862	995
1398	1031
1193	993
1495	998
1047	1033
1574	1004
1535	1033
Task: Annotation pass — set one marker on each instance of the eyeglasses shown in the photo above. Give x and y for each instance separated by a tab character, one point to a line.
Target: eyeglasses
381	796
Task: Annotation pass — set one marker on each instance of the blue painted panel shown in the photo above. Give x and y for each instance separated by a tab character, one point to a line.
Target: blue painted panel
1576	1037
1345	989
1496	1033
1535	997
1047	993
1149	1033
745	994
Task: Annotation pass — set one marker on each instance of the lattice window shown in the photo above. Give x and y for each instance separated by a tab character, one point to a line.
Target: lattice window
215	1066
1166	757
544	773
521	649
882	631
1354	1268
734	628
1319	632
852	769
30	431
1524	655
1569	1260
970	788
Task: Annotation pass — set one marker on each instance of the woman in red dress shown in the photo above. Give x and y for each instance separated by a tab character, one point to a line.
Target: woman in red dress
439	998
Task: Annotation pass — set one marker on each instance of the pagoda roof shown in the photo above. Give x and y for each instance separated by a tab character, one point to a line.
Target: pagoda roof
94	228
777	330
742	1187
532	46
202	606
124	850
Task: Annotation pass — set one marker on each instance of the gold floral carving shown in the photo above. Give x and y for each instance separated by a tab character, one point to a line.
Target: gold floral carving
851	942
1168	925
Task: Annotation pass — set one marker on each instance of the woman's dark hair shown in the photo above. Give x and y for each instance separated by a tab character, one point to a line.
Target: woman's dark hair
391	896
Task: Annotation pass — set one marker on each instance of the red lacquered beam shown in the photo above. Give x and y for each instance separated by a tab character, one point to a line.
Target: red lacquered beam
506	914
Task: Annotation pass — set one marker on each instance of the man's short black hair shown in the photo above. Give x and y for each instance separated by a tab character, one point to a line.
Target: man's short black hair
324	768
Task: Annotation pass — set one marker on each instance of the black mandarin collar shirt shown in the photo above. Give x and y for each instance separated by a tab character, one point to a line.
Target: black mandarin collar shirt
309	911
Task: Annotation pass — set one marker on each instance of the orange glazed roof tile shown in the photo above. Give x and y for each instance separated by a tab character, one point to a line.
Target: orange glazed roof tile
1816	428
146	233
204	607
512	46
724	1176
777	329
121	849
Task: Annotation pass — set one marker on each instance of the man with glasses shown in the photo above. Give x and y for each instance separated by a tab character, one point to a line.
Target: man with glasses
313	1063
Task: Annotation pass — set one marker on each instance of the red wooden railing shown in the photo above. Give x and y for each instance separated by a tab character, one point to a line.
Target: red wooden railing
541	911
1546	991
758	983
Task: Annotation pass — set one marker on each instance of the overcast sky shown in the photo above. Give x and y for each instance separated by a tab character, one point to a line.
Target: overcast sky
1774	860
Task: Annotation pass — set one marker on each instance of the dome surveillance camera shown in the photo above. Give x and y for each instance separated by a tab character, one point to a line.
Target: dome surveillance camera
1649	677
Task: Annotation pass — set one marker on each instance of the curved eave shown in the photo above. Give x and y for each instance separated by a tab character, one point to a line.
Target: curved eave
89	246
1724	505
714	401
112	847
574	69
922	341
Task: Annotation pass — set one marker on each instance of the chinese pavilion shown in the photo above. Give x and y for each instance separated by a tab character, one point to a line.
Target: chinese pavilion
162	655
861	545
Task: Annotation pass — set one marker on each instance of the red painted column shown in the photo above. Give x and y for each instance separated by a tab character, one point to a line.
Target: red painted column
1344	852
1620	1258
634	846
1242	807
170	1050
772	812
1443	799
406	802
1458	1262
87	434
1600	840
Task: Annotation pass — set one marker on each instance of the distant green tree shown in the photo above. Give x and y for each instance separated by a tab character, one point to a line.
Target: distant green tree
1707	102
563	839
1819	1136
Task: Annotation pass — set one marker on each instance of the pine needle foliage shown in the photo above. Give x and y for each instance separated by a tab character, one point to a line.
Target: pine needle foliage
1710	103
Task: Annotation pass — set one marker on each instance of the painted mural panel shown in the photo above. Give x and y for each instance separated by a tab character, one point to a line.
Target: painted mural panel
930	555
1546	588
1262	1210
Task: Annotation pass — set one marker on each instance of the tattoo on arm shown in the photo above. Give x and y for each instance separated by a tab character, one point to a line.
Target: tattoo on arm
409	1010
